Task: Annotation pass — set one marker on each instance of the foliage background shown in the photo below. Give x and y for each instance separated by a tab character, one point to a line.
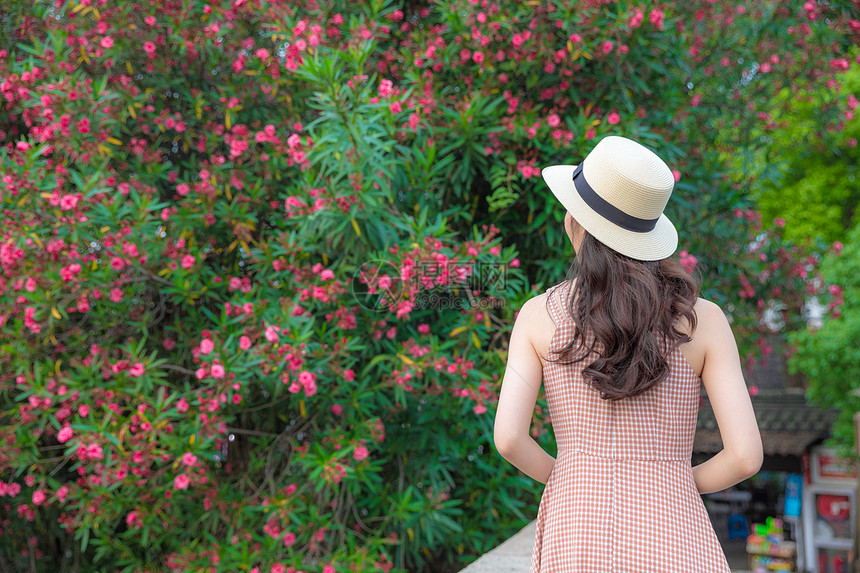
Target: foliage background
193	193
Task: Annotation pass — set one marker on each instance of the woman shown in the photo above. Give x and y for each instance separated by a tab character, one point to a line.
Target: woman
623	347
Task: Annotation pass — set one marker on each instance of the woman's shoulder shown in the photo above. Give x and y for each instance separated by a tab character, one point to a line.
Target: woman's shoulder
538	305
556	291
708	316
706	307
541	311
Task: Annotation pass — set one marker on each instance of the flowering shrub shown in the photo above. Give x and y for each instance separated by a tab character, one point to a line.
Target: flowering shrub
259	259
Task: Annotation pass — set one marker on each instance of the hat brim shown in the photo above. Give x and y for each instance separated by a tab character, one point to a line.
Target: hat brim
656	244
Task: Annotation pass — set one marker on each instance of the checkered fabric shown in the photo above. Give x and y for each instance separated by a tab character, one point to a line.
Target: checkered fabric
621	496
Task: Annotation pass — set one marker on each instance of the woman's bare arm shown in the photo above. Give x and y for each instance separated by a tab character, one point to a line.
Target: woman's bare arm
741	456
520	385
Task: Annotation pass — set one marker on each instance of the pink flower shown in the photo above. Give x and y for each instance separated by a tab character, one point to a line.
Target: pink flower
837	246
310	389
29	313
289	538
336	409
613	118
479	409
189	459
360	453
779	222
607	46
839	64
68	202
688	261
306	378
65	434
39	497
478	57
278	568
326	275
272	333
95	452
188	262
181	481
753	390
206	346
385	88
11	489
218	370
553	120
676	175
138	369
107	42
244	342
395	107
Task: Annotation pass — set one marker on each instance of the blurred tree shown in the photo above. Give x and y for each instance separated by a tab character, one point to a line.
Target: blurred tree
830	356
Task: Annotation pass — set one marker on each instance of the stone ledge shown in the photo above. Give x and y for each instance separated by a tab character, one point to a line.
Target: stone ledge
512	556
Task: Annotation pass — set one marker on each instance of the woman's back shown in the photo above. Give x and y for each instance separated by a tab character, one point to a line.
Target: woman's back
654	425
621	495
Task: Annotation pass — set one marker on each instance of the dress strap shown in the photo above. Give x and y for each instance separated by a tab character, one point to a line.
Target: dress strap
557	302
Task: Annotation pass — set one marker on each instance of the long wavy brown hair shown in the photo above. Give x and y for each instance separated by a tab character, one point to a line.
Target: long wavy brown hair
631	307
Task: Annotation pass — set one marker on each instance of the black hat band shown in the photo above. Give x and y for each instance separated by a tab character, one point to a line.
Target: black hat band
607	210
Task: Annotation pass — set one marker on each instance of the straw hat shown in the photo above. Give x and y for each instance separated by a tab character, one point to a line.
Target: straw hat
618	194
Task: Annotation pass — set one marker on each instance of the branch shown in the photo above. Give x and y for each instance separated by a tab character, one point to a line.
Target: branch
178	369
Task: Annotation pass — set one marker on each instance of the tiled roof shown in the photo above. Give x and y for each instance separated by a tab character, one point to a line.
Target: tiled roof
787	422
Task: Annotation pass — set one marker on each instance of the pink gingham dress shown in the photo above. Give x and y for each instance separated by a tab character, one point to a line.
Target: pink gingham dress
621	496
